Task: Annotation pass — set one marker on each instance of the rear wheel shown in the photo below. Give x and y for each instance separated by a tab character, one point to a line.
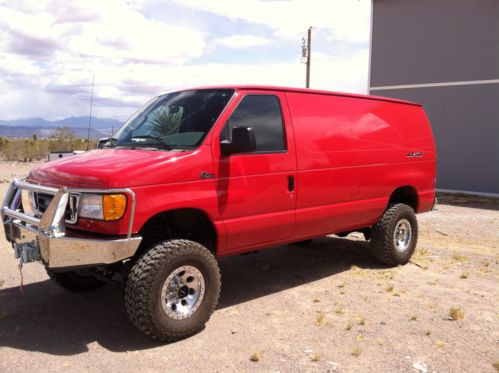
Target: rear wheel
172	290
75	280
395	235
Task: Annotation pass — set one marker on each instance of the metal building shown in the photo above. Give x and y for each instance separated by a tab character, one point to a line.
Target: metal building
445	55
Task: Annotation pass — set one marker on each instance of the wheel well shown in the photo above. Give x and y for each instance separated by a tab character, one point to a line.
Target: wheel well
191	224
406	195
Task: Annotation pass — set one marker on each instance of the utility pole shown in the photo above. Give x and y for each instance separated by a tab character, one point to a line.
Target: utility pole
309	50
90	115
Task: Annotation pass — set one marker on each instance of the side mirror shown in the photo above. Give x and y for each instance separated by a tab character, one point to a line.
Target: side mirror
102	141
243	141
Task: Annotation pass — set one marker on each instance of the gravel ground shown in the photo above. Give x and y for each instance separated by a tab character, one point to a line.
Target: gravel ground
324	307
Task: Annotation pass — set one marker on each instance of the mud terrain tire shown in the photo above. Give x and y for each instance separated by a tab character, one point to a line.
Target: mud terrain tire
149	290
395	235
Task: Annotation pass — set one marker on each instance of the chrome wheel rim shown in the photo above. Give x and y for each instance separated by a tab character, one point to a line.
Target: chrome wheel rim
182	292
402	235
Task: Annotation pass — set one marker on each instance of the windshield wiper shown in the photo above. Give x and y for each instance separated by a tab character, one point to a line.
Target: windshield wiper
157	141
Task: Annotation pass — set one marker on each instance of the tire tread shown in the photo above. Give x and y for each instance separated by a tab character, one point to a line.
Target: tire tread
140	282
381	235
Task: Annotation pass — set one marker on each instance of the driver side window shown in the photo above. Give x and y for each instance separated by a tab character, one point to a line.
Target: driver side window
263	114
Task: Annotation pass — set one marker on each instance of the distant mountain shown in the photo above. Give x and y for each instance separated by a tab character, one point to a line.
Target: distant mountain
22	128
45	132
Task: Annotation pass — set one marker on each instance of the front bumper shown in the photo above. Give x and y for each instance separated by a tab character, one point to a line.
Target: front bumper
44	238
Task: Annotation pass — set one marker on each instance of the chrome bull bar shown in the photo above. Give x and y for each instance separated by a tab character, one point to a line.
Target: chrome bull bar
44	238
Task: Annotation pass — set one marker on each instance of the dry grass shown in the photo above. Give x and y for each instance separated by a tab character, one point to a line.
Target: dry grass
1	283
356	270
420	253
256	356
427	333
496	365
321	320
356	351
441	344
458	258
342	285
464	275
349	326
391	290
361	321
339	311
316	357
413	318
387	275
317	300
360	337
456	313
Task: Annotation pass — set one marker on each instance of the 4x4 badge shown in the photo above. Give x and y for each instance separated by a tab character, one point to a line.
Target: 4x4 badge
414	155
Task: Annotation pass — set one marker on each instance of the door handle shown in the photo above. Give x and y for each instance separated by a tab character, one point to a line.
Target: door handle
291	183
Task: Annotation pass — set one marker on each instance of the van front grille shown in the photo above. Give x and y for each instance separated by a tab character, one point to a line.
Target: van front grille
42	202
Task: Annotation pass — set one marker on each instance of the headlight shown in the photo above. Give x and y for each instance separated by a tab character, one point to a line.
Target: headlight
102	206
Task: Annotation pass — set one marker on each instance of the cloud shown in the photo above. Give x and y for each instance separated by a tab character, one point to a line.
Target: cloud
242	41
346	20
96	29
50	49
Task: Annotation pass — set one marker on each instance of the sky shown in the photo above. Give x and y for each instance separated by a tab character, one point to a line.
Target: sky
138	49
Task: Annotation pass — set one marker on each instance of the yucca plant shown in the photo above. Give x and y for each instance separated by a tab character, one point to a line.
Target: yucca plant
164	122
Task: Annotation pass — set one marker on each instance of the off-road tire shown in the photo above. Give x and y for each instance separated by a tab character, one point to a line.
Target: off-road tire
145	282
382	235
74	281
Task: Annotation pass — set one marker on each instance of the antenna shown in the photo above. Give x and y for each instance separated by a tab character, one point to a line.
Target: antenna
90	115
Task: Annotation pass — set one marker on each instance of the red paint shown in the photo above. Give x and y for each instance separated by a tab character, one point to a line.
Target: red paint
347	153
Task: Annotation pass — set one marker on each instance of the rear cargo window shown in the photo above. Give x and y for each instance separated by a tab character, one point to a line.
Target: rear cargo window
263	114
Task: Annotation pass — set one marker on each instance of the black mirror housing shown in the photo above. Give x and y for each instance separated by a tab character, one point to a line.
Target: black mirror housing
243	141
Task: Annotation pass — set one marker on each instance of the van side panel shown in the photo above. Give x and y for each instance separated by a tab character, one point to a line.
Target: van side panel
352	154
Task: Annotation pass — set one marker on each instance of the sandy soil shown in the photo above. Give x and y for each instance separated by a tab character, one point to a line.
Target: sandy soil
324	307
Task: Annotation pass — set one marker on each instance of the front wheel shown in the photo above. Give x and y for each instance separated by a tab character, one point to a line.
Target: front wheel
395	235
172	290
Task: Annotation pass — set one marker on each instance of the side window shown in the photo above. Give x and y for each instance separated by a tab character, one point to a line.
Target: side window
263	114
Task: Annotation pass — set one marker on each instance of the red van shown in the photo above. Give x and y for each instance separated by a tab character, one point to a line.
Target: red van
207	172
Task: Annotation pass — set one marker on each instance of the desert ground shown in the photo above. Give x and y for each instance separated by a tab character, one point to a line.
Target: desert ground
327	306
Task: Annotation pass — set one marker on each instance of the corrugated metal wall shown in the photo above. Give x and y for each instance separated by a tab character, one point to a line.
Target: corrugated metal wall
451	47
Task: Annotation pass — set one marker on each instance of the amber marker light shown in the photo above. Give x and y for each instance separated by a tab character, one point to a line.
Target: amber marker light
113	206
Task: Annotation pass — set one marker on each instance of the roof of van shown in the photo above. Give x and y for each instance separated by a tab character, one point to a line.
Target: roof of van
306	90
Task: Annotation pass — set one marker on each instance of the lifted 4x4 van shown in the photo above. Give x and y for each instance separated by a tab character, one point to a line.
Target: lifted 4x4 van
207	172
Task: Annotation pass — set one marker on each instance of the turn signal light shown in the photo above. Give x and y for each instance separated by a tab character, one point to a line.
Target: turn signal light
113	206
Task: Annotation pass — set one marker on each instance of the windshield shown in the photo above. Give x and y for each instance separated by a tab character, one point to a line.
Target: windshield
174	120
